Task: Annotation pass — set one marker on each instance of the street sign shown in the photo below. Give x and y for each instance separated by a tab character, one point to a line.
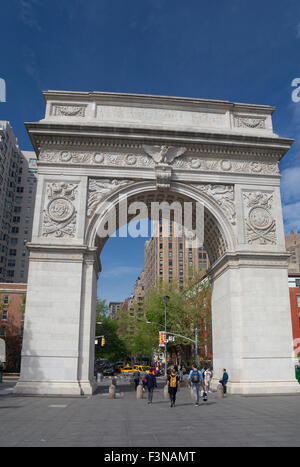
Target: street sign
162	339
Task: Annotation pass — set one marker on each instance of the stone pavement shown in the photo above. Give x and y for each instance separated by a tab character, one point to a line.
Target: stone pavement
126	422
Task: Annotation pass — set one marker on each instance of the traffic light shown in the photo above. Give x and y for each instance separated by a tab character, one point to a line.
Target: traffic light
103	342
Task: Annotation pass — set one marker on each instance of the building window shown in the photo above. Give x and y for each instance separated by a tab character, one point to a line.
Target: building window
6	299
2	331
4	314
298	300
170	246
170	254
297	282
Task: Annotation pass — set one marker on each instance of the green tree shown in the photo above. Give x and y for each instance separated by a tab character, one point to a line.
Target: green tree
188	309
138	337
114	348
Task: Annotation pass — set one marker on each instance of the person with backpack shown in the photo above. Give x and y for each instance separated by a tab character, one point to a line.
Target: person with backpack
150	383
173	386
196	381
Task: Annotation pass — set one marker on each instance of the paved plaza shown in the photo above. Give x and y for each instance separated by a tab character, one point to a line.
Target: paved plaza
126	422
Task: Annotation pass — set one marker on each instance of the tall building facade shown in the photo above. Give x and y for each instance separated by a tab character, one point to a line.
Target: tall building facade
17	199
114	308
171	258
292	242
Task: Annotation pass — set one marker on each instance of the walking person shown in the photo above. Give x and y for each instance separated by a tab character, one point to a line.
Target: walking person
150	382
136	379
224	381
207	379
196	381
180	374
173	386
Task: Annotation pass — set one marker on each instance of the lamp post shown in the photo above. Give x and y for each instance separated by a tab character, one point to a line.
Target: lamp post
166	301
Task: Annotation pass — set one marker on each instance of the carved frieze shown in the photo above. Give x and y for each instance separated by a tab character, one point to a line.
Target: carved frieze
99	189
223	195
259	221
249	122
61	110
173	158
59	215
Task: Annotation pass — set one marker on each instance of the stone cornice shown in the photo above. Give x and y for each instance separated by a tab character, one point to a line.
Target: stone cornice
237	260
67	253
153	100
45	134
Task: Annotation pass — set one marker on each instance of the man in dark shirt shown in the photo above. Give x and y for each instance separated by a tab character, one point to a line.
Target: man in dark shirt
150	382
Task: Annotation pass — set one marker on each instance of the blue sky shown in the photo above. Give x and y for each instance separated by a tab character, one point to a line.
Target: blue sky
237	50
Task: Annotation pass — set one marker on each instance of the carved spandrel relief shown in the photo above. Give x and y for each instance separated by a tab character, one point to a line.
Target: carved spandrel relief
59	216
99	189
259	221
223	195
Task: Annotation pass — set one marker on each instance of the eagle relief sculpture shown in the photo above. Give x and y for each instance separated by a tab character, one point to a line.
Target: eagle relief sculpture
163	154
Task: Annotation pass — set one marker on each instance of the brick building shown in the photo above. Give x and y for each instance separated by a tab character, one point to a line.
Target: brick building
12	300
294	289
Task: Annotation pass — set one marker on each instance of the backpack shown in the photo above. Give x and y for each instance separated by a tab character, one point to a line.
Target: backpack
173	381
195	377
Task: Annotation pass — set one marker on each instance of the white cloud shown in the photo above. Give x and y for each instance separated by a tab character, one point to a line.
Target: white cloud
290	185
121	272
291	215
28	14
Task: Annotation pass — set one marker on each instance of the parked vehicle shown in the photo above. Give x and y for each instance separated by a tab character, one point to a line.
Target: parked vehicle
109	371
118	366
127	370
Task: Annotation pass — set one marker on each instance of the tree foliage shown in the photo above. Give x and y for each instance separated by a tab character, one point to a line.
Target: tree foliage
114	348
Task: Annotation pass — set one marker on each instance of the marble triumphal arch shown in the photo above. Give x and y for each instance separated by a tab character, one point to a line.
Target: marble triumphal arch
103	147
